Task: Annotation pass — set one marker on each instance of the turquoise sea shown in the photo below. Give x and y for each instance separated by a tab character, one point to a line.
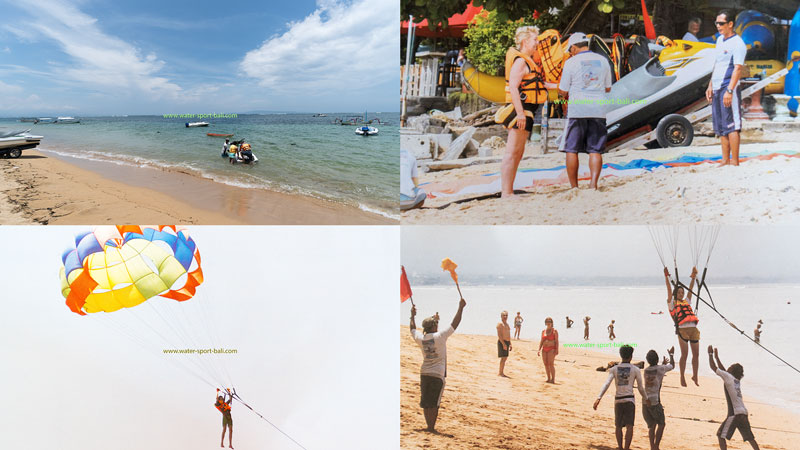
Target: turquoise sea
297	153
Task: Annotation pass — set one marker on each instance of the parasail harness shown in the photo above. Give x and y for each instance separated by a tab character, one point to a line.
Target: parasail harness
700	237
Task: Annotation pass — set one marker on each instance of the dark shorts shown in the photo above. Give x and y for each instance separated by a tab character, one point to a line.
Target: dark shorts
653	415
431	389
501	352
585	135
726	120
227	419
528	108
624	414
732	423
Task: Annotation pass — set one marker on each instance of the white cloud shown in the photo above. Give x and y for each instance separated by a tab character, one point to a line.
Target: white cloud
6	88
342	45
100	60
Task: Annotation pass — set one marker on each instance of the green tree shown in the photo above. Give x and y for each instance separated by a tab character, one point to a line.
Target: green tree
438	11
490	36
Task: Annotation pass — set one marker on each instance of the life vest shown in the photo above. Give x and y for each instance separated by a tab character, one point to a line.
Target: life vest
664	41
222	407
683	313
245	147
552	55
531	88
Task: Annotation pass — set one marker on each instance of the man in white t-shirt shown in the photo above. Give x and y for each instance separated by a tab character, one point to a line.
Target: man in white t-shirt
654	412
433	371
585	80
411	196
624	374
693	29
737	413
723	89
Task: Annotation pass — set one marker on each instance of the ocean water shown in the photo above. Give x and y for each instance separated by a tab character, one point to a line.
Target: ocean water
297	153
766	378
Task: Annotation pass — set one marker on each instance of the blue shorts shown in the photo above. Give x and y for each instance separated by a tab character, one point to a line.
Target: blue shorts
726	120
416	201
585	135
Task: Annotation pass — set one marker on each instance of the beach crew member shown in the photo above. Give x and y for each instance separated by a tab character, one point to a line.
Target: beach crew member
685	324
737	413
723	89
611	335
585	80
548	348
517	325
692	29
411	196
225	147
246	153
525	90
569	322
227	421
624	375
433	371
503	341
586	327
654	412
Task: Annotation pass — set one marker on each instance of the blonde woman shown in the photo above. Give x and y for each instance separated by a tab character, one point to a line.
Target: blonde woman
548	349
526	90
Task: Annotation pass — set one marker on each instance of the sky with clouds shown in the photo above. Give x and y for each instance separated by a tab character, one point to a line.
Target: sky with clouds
97	57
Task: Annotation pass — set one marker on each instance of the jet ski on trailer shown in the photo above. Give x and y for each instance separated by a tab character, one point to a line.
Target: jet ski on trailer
12	143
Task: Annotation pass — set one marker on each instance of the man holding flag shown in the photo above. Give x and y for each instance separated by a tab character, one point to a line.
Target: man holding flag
433	344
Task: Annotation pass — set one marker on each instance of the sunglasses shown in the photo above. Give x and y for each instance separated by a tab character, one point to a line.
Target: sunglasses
722	23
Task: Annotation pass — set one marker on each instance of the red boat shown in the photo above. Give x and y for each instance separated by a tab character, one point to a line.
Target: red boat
219	135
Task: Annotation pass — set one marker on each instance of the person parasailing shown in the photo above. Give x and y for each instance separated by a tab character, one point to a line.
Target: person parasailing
685	320
227	421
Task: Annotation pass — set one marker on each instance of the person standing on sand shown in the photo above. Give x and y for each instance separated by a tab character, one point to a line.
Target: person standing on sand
723	89
586	328
757	332
433	371
569	322
585	80
654	413
227	420
549	345
685	325
503	341
611	335
737	413
526	90
517	325
624	374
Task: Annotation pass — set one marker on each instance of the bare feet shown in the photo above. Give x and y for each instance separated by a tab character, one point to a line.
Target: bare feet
694	378
683	381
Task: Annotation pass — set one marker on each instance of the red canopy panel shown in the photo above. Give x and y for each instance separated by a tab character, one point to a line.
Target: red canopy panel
456	25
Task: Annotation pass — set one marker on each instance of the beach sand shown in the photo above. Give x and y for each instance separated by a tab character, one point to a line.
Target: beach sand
39	188
481	410
756	192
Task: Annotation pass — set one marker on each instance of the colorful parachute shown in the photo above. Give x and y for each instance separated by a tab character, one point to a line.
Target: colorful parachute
115	267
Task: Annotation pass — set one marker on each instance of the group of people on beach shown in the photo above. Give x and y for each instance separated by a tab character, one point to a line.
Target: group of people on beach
585	80
624	374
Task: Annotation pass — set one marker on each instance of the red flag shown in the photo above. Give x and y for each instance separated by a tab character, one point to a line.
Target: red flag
649	30
405	287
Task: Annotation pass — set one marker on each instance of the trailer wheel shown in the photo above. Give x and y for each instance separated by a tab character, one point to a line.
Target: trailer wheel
14	153
674	130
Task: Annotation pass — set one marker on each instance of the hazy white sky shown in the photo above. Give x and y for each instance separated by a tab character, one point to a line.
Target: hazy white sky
595	251
304	306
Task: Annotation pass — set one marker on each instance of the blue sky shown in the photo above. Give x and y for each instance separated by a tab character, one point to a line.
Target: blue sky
156	57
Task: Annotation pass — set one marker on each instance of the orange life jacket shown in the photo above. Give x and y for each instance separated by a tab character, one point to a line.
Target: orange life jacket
222	407
531	88
683	313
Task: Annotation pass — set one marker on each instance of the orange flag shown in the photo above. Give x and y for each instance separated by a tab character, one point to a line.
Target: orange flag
649	30
405	287
450	266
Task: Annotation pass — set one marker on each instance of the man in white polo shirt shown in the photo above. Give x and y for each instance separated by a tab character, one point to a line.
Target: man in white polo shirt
723	89
433	344
585	80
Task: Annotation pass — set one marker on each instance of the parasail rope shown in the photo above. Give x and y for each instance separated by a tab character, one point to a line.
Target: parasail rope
239	399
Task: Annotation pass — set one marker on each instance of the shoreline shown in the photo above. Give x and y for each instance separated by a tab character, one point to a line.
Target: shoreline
44	188
480	409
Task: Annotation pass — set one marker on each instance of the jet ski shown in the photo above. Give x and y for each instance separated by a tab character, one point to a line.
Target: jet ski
12	143
242	150
366	131
642	98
